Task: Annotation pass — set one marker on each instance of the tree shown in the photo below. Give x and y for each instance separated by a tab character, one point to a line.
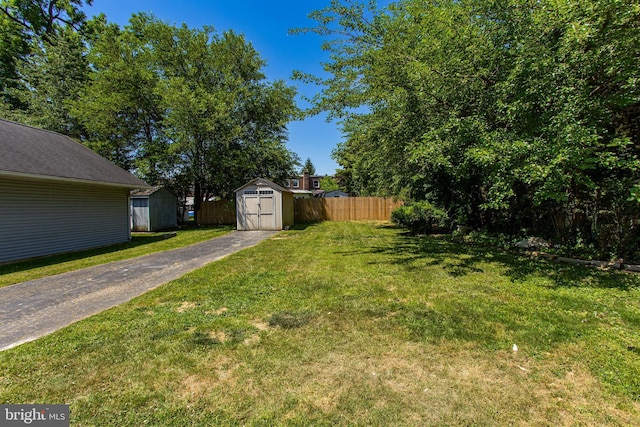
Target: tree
13	48
52	77
45	18
510	114
308	167
219	108
174	105
186	106
121	105
43	55
328	183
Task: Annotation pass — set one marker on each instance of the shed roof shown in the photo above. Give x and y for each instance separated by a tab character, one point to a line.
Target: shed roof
146	192
263	181
29	152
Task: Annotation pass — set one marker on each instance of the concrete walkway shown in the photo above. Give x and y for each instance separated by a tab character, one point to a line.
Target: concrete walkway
32	309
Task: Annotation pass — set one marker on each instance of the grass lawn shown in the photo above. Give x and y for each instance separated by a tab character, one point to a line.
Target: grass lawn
351	324
141	244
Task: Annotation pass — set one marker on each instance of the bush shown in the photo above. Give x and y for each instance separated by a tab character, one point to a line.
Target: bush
420	217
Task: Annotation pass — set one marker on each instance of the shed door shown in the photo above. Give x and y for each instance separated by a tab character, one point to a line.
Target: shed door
259	210
140	214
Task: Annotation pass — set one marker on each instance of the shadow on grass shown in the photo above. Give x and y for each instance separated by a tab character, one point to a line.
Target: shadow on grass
492	316
136	241
460	259
304	226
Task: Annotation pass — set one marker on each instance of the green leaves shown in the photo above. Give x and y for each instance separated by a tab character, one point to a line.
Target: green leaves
179	104
510	111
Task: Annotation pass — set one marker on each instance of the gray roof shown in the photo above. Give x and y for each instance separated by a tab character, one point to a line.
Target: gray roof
29	152
146	192
263	181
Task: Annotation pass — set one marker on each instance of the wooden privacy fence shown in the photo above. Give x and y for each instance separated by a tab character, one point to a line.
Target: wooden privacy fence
344	209
217	213
311	210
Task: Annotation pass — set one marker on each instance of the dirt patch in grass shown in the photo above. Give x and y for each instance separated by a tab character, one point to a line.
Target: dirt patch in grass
218	374
186	305
253	339
260	325
219	336
424	385
566	388
194	387
218	312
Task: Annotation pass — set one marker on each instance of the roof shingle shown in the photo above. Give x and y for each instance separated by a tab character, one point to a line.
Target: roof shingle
27	151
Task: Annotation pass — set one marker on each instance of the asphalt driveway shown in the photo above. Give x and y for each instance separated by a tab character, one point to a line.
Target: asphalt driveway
32	309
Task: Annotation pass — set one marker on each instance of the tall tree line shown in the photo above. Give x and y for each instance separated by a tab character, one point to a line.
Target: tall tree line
512	115
190	108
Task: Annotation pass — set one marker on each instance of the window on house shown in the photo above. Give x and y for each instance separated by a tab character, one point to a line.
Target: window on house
295	183
266	191
316	183
250	192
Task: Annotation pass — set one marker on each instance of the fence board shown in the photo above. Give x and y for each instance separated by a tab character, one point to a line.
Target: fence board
222	212
311	210
344	209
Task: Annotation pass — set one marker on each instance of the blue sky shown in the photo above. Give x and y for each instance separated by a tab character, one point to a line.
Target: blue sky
266	25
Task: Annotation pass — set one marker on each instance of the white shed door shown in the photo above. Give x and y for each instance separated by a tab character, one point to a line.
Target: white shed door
259	210
140	214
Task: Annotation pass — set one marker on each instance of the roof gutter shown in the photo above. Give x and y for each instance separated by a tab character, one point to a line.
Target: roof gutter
29	176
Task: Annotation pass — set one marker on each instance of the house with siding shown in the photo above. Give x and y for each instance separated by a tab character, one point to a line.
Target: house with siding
58	196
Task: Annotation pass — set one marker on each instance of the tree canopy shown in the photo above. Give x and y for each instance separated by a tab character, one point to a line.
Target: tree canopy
308	167
509	114
189	108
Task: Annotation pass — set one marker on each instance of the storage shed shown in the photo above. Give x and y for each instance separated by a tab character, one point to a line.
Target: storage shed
153	209
57	196
263	205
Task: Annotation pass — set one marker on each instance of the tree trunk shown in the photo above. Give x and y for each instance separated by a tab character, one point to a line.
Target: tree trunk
197	200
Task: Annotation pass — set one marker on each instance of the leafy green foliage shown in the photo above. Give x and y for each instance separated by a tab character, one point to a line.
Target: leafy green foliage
120	106
189	105
510	114
329	183
187	108
44	18
53	76
420	217
308	167
12	48
43	48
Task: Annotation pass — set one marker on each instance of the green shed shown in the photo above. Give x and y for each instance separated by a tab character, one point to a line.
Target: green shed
153	209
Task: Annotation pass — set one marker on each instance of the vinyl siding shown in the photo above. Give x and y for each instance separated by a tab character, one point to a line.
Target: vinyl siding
163	210
41	218
155	212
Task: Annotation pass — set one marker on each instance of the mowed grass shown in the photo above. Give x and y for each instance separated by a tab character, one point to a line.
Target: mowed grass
351	324
140	244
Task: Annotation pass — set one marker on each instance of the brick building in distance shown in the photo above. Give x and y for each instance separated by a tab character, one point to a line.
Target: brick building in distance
306	185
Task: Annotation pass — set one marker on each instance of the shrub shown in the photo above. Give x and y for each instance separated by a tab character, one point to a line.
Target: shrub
420	217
